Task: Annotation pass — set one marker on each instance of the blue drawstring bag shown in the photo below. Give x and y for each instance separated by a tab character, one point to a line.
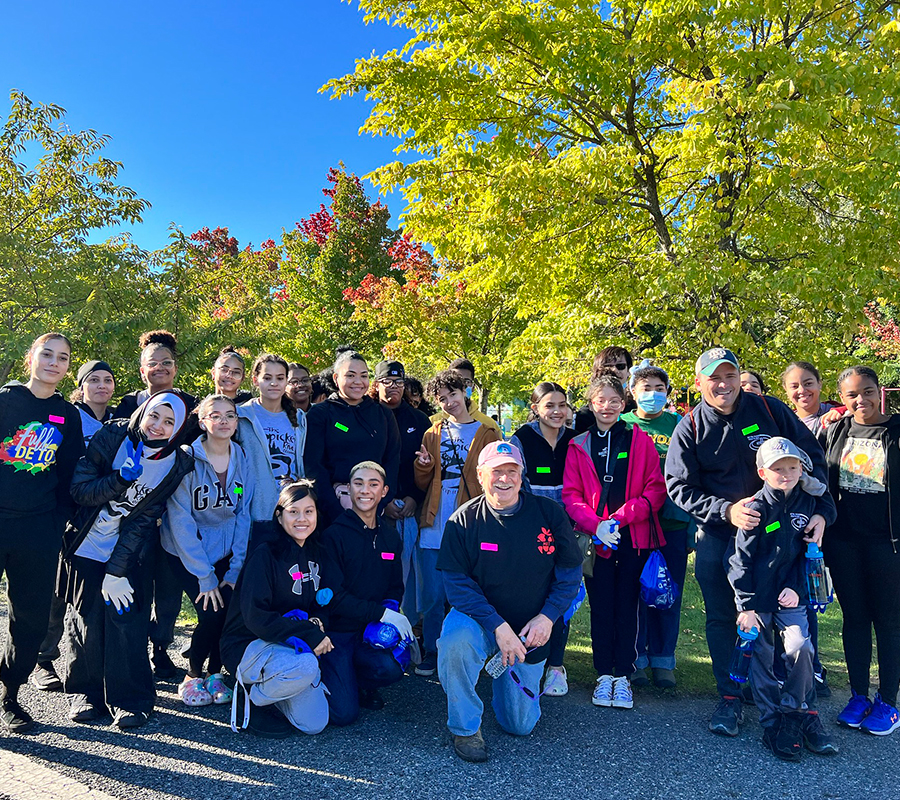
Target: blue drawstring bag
658	590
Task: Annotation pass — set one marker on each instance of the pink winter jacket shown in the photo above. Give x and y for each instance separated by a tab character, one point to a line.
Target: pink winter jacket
581	489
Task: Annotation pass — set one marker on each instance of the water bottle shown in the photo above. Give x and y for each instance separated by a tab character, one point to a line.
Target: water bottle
743	653
817	583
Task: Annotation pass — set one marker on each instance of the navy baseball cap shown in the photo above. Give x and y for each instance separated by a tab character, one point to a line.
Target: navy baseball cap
711	359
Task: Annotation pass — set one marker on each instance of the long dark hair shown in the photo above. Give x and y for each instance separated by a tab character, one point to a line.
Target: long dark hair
540	392
291	493
606	379
270	358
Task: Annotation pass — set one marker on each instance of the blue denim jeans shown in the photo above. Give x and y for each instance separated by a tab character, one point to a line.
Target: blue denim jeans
432	597
408	529
463	648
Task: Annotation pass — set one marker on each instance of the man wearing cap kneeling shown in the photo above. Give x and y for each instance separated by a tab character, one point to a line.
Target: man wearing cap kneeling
711	473
511	568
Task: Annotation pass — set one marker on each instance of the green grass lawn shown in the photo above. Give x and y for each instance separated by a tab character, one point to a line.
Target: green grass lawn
694	669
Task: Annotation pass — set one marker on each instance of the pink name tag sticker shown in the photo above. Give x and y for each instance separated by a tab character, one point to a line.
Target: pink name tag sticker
489	546
58	420
387	556
297	576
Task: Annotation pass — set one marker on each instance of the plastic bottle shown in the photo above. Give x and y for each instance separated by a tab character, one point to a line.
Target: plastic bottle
743	653
817	583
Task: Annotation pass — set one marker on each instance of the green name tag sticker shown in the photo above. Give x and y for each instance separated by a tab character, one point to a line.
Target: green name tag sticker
340	427
622	455
238	490
543	470
773	527
750	429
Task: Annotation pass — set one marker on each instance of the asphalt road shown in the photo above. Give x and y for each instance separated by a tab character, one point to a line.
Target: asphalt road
660	749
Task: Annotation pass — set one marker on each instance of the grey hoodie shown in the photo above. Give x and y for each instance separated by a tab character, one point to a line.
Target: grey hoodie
205	522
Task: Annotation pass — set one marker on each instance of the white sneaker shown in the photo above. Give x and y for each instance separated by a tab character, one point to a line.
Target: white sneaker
555	683
603	691
621	694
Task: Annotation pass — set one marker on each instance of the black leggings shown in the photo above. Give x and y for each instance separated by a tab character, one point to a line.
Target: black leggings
866	575
206	636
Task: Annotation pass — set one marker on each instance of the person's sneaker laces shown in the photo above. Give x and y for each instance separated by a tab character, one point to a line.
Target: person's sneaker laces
855	711
788	740
882	720
45	678
622	696
770	740
727	717
815	738
603	691
639	677
14	718
470	748
428	666
218	689
556	683
822	687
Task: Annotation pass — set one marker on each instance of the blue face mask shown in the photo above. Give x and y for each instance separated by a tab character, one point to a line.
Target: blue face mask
469	392
651	402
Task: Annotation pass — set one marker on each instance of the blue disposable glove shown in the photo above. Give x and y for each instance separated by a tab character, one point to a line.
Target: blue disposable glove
131	470
298	644
608	534
296	613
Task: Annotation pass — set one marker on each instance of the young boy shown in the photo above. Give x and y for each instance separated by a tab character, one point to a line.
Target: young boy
767	572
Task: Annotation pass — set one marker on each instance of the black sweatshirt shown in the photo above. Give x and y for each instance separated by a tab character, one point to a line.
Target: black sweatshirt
771	557
339	436
711	461
40	444
412	425
268	588
366	568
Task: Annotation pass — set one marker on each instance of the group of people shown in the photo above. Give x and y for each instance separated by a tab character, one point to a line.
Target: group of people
330	547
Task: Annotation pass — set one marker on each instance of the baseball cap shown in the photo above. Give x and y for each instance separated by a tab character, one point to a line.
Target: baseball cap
497	453
389	369
707	363
778	447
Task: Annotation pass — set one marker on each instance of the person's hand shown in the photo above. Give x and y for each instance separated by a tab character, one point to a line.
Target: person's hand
511	647
318	623
815	530
118	592
400	622
131	468
392	512
536	631
424	457
747	621
742	517
325	646
788	598
342	492
212	596
409	507
226	583
608	534
832	416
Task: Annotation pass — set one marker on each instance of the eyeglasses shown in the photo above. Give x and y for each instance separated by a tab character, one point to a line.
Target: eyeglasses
230	372
620	365
217	417
611	402
300	382
167	364
392	382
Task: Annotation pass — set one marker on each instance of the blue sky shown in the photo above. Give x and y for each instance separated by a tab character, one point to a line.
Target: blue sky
213	107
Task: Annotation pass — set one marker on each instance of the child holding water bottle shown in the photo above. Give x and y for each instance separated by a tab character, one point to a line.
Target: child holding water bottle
767	569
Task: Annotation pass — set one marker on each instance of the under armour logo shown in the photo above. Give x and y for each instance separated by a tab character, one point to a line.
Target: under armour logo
304	577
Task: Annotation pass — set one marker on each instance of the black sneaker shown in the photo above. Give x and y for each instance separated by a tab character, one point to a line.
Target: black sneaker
821	684
815	738
163	666
268	722
471	748
129	720
727	717
45	678
371	699
84	711
14	718
789	738
770	740
428	666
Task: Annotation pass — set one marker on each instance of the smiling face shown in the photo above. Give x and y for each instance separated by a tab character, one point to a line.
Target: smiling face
352	380
750	383
98	387
552	410
271	378
501	484
158	368
862	396
606	404
158	423
803	389
227	375
367	489
784	474
299	386
299	519
452	402
220	420
720	390
49	362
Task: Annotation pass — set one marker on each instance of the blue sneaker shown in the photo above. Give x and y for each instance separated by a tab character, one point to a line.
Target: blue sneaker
855	711
882	720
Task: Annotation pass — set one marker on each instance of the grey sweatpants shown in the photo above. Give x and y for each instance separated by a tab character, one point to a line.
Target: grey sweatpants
798	692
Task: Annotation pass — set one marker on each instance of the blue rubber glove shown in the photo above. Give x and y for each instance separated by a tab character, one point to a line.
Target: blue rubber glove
296	613
131	470
298	644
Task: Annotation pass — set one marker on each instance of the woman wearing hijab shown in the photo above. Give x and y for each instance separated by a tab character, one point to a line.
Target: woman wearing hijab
121	487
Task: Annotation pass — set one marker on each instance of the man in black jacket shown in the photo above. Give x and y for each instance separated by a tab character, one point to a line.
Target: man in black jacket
711	473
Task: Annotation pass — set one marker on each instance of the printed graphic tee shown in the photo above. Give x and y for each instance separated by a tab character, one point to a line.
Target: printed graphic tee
280	436
863	499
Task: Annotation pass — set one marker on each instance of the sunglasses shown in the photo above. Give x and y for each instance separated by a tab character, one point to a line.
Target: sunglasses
617	365
518	681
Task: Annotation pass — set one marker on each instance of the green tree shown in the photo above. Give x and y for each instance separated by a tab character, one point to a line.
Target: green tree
667	175
56	188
